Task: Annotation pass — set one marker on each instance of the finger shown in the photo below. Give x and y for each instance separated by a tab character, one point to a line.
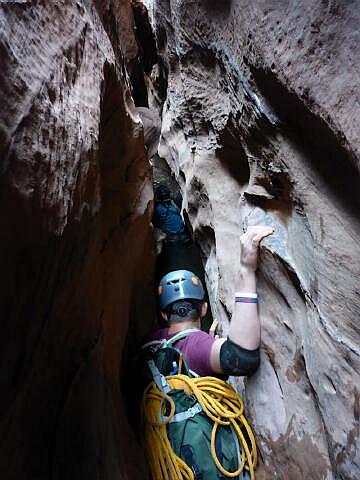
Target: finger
258	230
262	230
213	327
270	231
261	235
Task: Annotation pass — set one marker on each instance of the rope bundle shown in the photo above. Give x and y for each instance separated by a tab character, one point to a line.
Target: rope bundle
219	402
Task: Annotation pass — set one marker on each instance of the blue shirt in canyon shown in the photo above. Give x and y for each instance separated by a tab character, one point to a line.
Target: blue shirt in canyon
168	219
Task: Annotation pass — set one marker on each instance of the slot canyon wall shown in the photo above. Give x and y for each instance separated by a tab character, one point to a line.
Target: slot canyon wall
259	124
76	243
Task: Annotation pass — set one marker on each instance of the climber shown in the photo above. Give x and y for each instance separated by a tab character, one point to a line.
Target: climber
167	216
181	296
194	424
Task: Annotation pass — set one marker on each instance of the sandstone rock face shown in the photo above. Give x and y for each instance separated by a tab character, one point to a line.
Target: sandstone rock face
75	238
260	126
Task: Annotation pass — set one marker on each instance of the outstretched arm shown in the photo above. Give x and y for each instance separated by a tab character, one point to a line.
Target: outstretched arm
244	331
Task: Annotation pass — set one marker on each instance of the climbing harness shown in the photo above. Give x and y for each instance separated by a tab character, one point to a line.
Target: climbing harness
179	401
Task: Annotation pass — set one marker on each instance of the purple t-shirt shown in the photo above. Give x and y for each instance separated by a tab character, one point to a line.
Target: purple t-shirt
196	348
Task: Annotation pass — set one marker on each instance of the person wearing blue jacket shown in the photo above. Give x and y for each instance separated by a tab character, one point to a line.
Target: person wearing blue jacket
167	216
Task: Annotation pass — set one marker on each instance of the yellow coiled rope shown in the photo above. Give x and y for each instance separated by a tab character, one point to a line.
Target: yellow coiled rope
219	401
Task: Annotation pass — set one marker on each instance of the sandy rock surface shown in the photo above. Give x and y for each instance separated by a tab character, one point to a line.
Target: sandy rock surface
260	126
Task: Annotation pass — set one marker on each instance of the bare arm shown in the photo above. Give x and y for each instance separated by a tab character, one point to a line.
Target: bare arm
244	328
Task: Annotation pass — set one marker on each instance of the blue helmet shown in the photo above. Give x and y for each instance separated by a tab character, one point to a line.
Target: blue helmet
179	285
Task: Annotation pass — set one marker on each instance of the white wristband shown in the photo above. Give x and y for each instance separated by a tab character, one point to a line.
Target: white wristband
246	295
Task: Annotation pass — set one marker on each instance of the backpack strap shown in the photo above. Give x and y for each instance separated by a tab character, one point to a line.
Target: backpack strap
158	377
180	336
155	344
189	413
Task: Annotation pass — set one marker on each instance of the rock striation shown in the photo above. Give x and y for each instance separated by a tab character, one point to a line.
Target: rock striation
259	125
77	263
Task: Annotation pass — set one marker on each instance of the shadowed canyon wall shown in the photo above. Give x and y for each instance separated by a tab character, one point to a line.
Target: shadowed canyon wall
260	126
76	244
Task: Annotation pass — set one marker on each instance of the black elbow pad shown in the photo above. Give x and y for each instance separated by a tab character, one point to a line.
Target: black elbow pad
238	361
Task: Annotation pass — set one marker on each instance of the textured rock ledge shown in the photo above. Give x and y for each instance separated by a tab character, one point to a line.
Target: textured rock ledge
259	126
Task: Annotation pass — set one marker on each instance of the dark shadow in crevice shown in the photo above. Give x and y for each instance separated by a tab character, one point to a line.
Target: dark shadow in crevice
205	241
218	8
139	91
205	237
161	80
324	149
145	36
233	156
147	56
188	223
234	160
